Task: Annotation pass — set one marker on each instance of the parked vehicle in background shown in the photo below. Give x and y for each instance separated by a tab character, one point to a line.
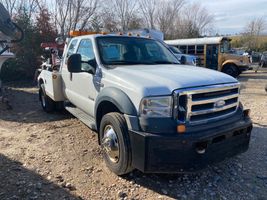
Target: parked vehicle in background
215	53
255	57
184	58
263	60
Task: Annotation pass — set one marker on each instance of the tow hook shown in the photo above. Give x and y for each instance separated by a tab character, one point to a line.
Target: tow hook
201	147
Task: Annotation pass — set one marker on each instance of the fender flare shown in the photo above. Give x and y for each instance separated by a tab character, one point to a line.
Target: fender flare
231	62
118	98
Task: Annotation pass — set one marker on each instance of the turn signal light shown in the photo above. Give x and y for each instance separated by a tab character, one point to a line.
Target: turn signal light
181	129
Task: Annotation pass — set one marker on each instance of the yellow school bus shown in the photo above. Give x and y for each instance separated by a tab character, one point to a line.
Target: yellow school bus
214	53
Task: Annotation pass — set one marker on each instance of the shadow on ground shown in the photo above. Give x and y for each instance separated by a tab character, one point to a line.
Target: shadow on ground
26	107
17	182
252	75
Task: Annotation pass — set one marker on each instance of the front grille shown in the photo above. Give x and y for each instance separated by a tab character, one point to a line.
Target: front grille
199	105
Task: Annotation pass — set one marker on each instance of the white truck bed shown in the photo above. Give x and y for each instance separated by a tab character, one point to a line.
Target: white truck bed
53	84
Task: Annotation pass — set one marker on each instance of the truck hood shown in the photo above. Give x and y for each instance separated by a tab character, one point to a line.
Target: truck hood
164	79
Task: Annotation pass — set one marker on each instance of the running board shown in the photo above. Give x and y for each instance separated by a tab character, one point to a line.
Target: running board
81	115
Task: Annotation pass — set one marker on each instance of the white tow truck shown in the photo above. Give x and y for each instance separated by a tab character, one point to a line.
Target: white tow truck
150	112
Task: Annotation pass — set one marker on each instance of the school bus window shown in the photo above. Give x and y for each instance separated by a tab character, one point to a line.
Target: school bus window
200	49
191	49
183	49
225	46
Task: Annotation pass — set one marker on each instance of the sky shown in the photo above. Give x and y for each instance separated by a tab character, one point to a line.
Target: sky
231	16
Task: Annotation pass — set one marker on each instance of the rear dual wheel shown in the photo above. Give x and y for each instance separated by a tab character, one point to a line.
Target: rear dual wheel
47	103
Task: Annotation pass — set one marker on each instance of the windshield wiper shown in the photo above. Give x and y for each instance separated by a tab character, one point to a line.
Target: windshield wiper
164	62
126	62
122	62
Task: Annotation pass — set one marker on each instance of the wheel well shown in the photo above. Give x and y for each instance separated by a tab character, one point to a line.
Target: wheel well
104	108
229	64
40	82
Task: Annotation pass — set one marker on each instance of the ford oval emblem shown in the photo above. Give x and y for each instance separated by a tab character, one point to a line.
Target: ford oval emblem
219	104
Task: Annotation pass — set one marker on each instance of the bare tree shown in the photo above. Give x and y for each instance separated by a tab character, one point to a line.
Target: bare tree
61	10
10	5
87	11
149	9
124	10
252	32
167	14
15	6
196	20
73	14
31	6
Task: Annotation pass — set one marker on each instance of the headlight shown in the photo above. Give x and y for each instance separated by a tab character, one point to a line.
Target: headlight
156	107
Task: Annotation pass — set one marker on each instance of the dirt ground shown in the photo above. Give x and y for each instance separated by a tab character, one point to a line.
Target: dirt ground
55	156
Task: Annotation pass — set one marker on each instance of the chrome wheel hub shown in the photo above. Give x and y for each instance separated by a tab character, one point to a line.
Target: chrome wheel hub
110	144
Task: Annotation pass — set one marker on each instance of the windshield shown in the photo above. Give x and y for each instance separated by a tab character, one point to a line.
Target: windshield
225	46
131	50
175	50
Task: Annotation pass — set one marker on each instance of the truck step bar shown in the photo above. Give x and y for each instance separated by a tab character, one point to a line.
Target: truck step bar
84	117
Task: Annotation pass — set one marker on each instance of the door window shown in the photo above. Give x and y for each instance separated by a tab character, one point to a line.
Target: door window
71	48
191	49
87	53
200	49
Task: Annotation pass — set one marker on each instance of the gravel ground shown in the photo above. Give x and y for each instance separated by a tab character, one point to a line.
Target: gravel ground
55	156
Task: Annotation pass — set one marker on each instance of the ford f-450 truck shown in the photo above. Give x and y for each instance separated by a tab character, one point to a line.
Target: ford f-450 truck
150	113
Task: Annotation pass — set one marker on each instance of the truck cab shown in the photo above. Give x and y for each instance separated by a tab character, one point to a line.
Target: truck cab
150	112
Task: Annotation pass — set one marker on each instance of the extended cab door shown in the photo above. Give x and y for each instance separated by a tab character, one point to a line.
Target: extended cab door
79	87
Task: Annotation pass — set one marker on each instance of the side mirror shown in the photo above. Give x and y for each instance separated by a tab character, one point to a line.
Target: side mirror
59	40
75	63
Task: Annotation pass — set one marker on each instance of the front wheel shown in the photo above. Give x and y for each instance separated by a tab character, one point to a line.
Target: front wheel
47	103
115	143
231	70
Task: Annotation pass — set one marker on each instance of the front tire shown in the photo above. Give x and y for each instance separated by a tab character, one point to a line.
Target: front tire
115	143
47	103
231	70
